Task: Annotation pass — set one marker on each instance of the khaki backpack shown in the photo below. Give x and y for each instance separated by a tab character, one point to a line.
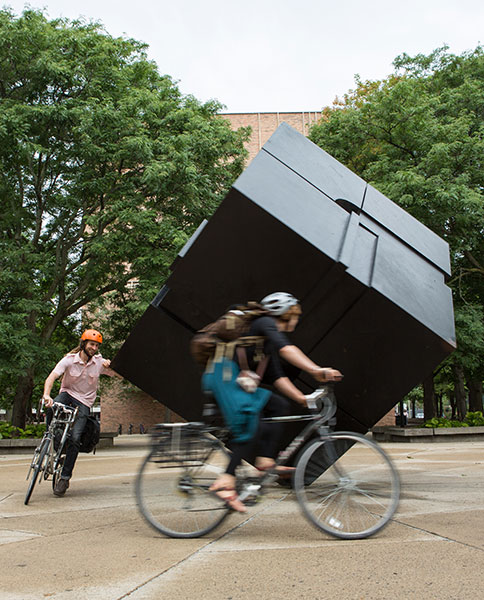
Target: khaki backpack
220	339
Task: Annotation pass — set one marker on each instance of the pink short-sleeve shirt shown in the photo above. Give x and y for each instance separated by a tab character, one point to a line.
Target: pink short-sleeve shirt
80	379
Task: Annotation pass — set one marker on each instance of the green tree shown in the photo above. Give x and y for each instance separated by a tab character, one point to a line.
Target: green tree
418	137
105	171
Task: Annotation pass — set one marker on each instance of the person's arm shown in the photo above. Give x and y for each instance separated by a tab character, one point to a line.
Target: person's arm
296	357
108	371
49	382
286	387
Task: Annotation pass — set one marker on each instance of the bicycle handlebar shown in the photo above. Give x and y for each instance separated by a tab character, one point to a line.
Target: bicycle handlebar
64	407
326	395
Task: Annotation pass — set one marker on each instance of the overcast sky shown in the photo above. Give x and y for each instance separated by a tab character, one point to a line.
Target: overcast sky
279	55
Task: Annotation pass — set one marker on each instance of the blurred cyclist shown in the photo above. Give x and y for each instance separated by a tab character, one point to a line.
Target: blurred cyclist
283	315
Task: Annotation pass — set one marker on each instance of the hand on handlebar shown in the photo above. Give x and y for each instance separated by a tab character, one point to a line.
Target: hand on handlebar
48	401
324	374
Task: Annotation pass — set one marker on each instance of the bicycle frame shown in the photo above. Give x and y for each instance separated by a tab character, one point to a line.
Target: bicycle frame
64	416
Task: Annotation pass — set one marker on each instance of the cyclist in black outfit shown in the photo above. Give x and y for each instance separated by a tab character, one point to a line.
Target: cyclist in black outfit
284	312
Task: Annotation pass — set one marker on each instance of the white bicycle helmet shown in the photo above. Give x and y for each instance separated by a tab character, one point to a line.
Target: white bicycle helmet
278	303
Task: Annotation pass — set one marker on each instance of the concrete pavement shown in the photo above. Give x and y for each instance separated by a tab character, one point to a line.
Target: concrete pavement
93	544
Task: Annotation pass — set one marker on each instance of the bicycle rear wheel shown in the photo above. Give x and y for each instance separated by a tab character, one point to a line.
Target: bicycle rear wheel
37	466
172	486
346	485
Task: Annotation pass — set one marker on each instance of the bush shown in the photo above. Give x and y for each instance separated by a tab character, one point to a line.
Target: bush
472	419
475	419
9	431
444	422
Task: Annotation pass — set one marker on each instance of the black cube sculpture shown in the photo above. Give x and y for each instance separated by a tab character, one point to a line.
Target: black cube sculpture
370	278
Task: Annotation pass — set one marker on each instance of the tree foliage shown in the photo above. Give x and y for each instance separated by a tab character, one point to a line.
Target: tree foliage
418	136
105	171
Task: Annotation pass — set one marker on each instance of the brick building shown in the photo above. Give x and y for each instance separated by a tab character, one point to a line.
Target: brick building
264	124
126	405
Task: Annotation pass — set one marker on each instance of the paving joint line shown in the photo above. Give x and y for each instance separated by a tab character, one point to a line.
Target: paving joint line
71	531
68	511
199	550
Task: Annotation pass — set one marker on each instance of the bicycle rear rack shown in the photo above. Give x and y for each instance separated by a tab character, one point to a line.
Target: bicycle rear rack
181	443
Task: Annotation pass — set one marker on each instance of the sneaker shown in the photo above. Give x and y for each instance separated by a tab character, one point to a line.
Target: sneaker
61	486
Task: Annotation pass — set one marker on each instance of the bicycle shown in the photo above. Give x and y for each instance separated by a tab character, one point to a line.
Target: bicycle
345	484
49	456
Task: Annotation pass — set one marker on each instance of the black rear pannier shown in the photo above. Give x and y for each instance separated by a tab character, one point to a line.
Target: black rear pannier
89	438
90	435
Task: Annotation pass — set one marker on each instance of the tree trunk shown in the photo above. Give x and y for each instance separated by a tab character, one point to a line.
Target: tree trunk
475	395
22	399
430	407
440	405
453	413
460	391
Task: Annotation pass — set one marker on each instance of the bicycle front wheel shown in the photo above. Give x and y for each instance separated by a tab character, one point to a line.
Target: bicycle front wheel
346	485
38	466
172	490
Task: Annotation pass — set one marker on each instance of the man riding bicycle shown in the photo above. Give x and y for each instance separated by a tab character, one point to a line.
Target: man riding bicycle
80	371
282	315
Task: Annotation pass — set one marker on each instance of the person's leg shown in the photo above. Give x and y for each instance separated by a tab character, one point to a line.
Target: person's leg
74	442
241	451
266	440
271	433
224	485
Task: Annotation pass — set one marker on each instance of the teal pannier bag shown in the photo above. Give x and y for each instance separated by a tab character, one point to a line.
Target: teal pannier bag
240	409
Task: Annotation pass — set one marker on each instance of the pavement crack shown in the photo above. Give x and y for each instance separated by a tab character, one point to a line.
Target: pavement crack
439	535
6	497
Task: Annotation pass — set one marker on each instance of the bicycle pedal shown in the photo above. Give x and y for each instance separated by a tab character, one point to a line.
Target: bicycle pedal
250	491
253	481
252	500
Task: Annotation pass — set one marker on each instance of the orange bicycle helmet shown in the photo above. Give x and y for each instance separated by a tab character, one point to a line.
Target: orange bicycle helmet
92	335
